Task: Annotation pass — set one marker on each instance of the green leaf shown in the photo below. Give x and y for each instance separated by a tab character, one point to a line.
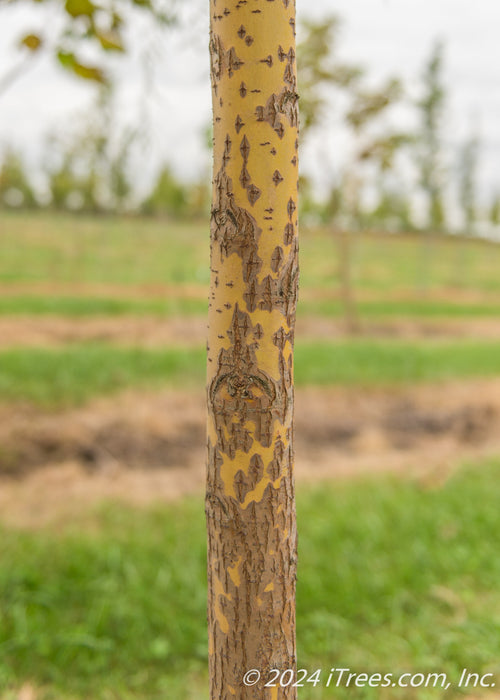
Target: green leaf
117	20
79	8
66	59
89	72
69	61
110	41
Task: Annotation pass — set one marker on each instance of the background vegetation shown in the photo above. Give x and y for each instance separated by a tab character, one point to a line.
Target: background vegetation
399	291
385	178
115	607
395	575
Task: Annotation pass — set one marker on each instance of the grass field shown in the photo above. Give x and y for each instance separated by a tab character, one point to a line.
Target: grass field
110	250
130	251
167	306
77	307
56	378
107	267
392	578
394	575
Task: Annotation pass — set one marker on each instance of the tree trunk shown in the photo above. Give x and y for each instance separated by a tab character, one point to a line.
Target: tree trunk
254	270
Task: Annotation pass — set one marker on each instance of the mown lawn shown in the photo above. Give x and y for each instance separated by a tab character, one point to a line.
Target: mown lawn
178	305
112	250
393	578
133	251
91	306
73	374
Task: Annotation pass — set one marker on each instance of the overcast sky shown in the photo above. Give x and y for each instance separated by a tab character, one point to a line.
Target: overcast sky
388	36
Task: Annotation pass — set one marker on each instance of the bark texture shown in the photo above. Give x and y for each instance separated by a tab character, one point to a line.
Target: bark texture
250	492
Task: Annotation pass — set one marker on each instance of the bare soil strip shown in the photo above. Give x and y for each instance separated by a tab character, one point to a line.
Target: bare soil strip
200	291
48	331
146	448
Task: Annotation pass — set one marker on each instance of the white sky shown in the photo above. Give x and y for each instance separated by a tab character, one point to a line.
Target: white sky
388	36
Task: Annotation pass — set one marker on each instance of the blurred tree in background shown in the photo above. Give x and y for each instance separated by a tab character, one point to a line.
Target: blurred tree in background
320	68
335	98
82	29
335	95
371	180
467	171
88	169
429	142
168	197
15	187
494	214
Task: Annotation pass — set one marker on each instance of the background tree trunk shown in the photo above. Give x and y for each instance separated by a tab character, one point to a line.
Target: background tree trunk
254	270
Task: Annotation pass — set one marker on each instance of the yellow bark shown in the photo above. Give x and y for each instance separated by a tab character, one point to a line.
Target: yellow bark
250	492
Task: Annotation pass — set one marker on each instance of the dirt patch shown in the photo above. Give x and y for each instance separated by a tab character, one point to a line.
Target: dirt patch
423	432
142	448
405	329
111	290
134	430
25	692
48	331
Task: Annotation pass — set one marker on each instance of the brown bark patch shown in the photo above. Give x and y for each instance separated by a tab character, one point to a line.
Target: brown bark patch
233	229
284	104
241	393
222	60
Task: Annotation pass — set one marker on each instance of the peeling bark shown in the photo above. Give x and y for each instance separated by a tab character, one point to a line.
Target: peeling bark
250	490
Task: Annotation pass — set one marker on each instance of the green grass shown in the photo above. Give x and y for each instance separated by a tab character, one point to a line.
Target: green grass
84	249
396	578
74	374
89	306
386	263
378	363
119	612
37	247
392	578
95	306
